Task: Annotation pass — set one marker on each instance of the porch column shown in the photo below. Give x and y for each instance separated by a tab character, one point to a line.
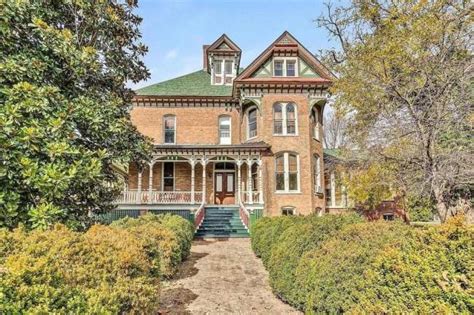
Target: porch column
204	163
333	189
239	178
249	182
139	190
260	180
150	182
193	164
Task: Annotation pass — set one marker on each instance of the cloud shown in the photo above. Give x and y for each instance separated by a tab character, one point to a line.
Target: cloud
171	54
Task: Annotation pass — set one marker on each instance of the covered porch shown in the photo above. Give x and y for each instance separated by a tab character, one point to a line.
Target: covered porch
197	175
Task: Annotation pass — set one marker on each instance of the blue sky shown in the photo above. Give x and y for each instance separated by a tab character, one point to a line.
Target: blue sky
175	30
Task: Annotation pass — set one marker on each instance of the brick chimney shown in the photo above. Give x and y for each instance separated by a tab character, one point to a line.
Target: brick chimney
204	57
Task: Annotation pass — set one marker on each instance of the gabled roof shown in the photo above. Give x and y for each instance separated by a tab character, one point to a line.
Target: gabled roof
193	84
224	43
286	42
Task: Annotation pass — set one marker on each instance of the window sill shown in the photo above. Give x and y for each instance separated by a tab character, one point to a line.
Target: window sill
316	139
253	138
287	135
282	192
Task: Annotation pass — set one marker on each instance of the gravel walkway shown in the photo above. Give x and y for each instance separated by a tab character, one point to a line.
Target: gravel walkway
221	277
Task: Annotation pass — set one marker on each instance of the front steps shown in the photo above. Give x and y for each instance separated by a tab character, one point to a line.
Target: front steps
221	222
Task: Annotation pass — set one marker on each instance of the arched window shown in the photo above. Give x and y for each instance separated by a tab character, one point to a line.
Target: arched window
315	123
287	172
284	119
317	175
252	123
225	130
169	129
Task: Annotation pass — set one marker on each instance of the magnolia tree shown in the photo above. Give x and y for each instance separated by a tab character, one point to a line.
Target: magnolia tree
405	80
64	107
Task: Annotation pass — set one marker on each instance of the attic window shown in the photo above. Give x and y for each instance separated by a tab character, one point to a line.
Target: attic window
223	71
285	67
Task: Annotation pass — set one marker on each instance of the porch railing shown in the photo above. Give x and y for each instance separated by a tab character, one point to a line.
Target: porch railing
255	197
159	197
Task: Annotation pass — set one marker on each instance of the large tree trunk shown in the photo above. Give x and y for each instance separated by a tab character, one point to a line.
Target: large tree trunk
440	202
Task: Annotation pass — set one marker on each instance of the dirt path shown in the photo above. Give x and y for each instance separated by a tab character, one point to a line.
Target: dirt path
221	277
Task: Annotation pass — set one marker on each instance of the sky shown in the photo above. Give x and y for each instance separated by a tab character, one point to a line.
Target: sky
175	30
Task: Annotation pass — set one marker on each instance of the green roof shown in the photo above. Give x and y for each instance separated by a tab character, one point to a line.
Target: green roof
333	152
193	84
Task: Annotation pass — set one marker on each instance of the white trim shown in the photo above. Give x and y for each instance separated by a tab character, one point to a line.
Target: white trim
219	128
284	120
285	59
317	176
248	124
222	75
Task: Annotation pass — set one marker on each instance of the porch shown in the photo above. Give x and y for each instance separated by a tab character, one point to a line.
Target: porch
218	175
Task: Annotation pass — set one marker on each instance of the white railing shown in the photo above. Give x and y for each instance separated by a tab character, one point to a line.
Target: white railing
159	197
255	197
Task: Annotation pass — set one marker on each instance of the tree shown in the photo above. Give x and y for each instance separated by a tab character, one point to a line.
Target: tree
64	107
335	130
405	73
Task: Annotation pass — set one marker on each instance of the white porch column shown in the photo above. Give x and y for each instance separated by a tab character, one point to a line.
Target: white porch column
333	189
150	182
204	163
249	182
239	178
193	165
139	190
260	180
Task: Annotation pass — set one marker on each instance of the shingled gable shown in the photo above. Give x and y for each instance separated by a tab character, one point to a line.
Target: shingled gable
221	46
286	43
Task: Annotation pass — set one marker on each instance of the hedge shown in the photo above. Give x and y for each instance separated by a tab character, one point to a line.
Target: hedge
167	239
104	270
297	239
336	264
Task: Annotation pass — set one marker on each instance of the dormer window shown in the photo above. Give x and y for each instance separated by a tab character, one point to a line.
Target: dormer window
223	71
284	67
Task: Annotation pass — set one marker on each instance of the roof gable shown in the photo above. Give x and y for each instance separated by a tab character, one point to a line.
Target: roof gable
224	43
309	65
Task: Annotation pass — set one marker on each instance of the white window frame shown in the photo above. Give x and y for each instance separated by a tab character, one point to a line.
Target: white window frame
284	120
222	75
286	173
318	188
248	122
163	176
295	59
317	124
293	209
164	128
220	120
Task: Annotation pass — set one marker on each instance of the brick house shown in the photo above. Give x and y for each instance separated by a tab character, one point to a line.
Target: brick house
223	135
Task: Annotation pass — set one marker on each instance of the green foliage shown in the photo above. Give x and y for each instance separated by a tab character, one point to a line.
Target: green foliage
167	239
420	209
337	264
64	108
302	236
104	270
266	231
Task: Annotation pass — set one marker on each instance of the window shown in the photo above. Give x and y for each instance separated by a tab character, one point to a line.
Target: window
254	172
317	175
222	71
284	119
224	130
285	67
388	217
224	166
288	211
287	172
169	129
291	68
315	123
278	68
252	123
168	176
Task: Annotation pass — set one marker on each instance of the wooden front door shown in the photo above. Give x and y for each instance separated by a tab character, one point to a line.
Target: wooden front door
224	188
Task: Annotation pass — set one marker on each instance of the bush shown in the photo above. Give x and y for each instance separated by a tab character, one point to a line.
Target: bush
167	239
431	271
104	270
266	231
302	236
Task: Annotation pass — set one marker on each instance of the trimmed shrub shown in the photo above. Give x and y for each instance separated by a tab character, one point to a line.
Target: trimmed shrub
432	271
167	239
302	236
266	231
104	270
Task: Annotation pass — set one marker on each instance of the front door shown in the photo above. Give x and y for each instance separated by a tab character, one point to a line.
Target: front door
224	188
